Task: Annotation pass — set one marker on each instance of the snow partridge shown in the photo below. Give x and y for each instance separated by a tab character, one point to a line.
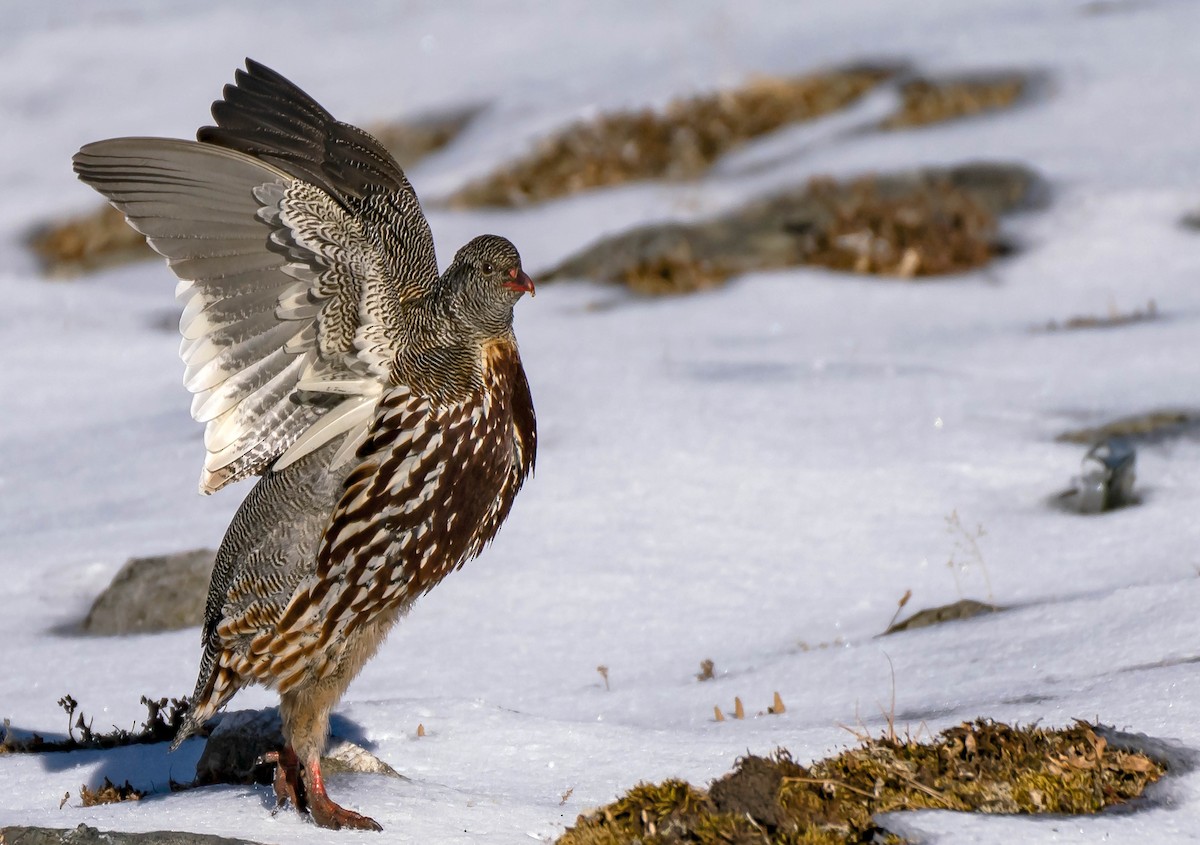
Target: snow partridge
384	406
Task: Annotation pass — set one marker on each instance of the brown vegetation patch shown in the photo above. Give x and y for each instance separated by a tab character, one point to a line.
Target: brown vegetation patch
926	101
1153	425
108	793
1110	320
959	610
677	271
934	229
87	242
932	222
409	141
681	142
979	766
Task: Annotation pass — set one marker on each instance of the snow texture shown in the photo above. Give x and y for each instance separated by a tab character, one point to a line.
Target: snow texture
753	475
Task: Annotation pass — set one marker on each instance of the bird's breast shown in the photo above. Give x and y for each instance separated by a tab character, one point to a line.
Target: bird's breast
435	483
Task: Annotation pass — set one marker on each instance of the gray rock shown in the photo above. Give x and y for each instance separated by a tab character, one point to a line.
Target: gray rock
243	736
84	835
1109	471
152	594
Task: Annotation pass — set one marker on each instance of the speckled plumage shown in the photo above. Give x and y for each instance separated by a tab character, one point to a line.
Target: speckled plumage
385	406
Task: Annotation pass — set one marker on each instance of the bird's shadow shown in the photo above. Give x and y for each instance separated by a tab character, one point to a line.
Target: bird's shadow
148	767
153	767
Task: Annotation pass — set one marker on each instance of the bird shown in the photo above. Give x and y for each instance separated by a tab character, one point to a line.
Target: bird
383	406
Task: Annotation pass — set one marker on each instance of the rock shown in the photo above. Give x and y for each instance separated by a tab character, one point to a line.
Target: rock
241	737
154	594
84	835
1109	470
342	755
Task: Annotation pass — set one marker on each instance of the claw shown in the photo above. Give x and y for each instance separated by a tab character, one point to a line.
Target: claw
287	783
307	794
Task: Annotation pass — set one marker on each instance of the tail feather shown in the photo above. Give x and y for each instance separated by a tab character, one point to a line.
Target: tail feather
213	691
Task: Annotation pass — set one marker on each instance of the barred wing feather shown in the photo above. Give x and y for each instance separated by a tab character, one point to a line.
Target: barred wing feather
274	281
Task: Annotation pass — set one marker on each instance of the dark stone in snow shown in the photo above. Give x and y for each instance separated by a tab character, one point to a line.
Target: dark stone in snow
152	594
1107	478
241	737
84	835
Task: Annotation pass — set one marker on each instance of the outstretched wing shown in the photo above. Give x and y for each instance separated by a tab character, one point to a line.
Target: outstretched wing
296	240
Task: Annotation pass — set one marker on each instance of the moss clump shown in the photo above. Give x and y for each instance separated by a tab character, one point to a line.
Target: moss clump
926	101
934	229
981	766
680	142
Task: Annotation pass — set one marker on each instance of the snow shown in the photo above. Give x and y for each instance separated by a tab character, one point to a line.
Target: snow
753	475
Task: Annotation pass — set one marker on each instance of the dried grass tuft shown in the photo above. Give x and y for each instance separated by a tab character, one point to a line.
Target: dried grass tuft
926	101
678	143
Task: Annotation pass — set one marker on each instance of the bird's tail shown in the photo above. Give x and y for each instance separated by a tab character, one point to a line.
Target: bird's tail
213	690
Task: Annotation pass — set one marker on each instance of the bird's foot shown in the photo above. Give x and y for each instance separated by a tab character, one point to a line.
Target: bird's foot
287	783
328	814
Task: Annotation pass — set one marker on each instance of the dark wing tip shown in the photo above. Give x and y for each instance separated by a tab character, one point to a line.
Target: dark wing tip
258	69
269	117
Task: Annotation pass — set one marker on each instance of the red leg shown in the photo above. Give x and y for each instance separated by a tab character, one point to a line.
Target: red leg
288	786
326	813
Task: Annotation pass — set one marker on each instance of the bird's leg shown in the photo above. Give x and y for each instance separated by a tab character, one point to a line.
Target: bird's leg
287	783
326	813
305	713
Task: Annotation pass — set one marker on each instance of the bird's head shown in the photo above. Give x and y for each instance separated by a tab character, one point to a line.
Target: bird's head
485	281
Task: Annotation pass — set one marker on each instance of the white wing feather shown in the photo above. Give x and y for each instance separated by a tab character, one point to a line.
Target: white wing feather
271	272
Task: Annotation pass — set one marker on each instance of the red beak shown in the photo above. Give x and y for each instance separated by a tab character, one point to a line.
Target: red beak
520	282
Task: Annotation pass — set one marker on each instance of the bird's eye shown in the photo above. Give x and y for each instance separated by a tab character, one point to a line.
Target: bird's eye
488	267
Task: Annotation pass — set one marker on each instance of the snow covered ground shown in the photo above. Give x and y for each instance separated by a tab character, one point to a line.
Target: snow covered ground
742	475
